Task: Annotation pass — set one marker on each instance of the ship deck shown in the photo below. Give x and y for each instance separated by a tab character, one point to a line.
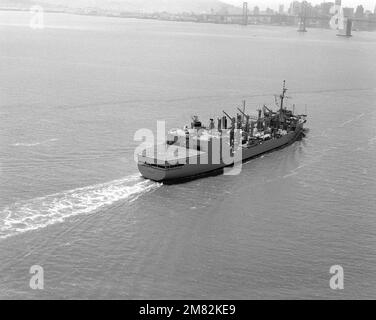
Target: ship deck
162	154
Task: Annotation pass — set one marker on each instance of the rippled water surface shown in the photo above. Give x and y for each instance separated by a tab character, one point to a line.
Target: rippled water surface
71	98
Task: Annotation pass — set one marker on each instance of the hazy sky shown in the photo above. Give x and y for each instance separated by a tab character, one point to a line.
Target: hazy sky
367	4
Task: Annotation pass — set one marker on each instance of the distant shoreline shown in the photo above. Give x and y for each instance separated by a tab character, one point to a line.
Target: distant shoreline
271	20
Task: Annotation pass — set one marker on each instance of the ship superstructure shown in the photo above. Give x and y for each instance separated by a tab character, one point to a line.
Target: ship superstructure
198	150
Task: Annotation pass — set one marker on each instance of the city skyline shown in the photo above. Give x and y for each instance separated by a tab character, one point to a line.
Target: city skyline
274	4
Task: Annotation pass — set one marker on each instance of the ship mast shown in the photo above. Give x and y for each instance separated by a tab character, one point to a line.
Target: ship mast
282	97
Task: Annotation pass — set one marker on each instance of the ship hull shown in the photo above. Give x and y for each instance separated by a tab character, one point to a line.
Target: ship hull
193	171
270	145
173	175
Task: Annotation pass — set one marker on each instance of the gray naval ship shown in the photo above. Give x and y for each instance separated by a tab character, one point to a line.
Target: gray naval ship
197	151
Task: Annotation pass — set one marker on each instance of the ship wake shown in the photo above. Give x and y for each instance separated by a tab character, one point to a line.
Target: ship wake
32	144
43	211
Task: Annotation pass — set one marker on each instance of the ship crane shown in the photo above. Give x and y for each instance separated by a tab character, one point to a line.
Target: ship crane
270	111
282	96
243	113
276	101
227	115
247	117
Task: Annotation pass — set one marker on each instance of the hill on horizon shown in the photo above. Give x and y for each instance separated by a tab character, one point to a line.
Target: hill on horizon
149	6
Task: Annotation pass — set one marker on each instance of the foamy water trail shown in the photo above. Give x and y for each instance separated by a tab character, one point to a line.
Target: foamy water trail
43	211
372	140
351	120
32	144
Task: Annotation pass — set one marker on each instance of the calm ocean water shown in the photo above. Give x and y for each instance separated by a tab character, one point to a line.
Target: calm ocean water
71	200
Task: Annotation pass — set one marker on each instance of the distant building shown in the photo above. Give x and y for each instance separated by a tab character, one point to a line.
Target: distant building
256	11
306	9
359	13
223	11
325	8
369	15
281	9
295	8
269	11
316	11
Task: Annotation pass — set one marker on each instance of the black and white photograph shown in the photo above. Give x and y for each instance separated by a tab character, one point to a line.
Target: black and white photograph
187	150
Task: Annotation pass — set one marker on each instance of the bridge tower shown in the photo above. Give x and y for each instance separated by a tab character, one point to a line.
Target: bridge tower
302	18
302	24
345	31
245	13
